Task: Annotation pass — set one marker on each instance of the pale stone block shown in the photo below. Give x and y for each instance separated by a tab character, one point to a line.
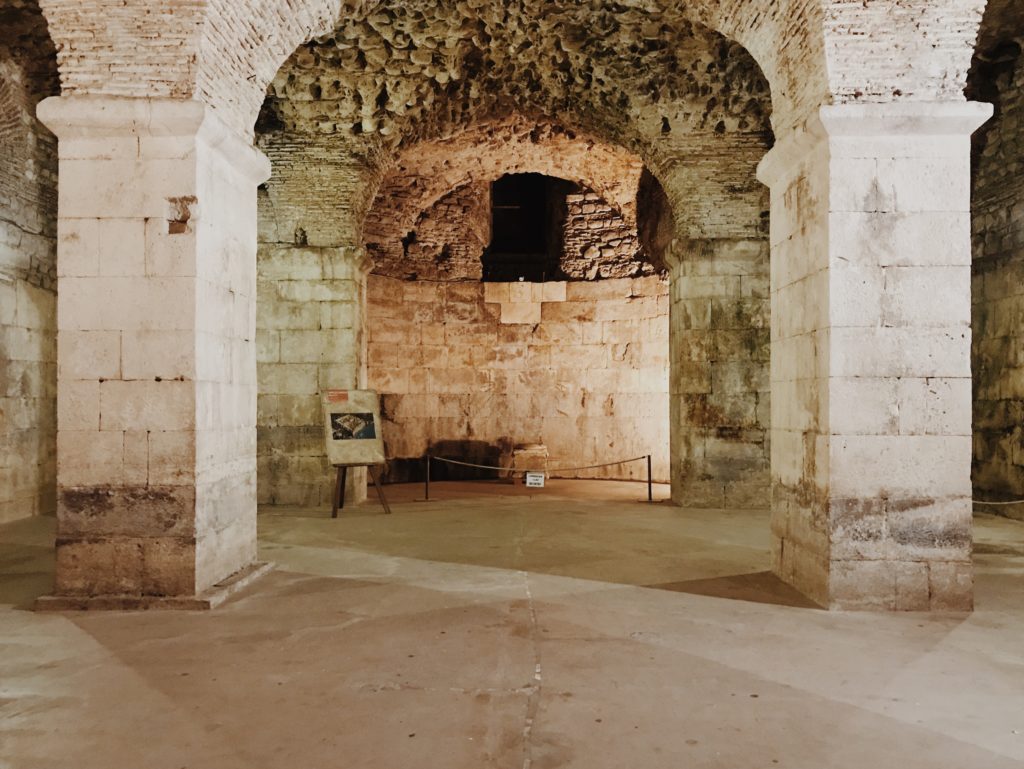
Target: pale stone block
930	184
951	586
169	255
116	303
927	296
863	585
122	188
520	293
89	355
864	406
145	405
900	352
78	405
171	457
78	247
934	406
521	312
338	315
916	466
289	378
902	239
858	184
158	354
166	147
905	144
912	593
856	295
214	307
89	457
554	291
122	247
136	457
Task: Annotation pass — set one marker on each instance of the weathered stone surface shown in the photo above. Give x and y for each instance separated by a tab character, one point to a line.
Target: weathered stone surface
998	235
156	441
28	213
870	412
589	401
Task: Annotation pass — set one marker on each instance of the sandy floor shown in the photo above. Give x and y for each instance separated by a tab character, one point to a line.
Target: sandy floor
574	627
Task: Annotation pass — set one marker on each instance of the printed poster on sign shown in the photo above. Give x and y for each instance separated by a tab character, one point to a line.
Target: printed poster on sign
352	427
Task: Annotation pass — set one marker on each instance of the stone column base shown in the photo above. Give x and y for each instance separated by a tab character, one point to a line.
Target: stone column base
208	599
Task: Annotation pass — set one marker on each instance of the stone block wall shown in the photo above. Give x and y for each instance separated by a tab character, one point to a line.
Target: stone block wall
721	394
471	369
28	337
309	338
998	285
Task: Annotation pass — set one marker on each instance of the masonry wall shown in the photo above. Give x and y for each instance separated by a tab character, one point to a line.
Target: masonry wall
28	350
599	242
445	242
998	293
309	339
468	370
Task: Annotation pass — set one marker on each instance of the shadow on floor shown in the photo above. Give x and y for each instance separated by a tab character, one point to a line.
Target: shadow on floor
26	572
759	587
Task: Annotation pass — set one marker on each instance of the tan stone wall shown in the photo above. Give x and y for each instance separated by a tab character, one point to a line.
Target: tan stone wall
28	349
309	339
470	369
998	280
599	242
721	397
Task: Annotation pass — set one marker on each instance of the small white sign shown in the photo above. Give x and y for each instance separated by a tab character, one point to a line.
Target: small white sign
535	480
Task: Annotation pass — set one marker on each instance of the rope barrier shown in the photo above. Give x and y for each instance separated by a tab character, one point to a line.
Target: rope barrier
549	470
510	469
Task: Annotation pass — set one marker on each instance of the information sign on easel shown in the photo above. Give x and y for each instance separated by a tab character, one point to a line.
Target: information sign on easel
354	438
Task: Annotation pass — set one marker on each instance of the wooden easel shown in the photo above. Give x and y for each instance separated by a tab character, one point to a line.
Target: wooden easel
339	488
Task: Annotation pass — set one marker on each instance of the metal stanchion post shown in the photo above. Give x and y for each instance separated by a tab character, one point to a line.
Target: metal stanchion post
426	482
650	483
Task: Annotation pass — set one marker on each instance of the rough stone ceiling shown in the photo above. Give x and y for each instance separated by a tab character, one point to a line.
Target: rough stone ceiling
25	40
410	71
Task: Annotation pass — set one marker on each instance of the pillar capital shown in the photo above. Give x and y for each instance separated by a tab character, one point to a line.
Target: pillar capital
154	127
904	118
892	129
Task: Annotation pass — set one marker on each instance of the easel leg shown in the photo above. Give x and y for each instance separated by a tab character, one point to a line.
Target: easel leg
380	489
339	491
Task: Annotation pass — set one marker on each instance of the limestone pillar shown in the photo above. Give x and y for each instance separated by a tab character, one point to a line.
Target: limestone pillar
719	340
156	348
870	355
719	397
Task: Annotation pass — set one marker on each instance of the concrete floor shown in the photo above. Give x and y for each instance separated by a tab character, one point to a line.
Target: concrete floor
512	630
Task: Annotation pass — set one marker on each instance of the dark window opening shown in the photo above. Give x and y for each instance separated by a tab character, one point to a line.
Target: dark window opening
528	214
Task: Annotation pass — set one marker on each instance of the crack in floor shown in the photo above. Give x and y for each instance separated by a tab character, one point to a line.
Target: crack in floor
533	698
